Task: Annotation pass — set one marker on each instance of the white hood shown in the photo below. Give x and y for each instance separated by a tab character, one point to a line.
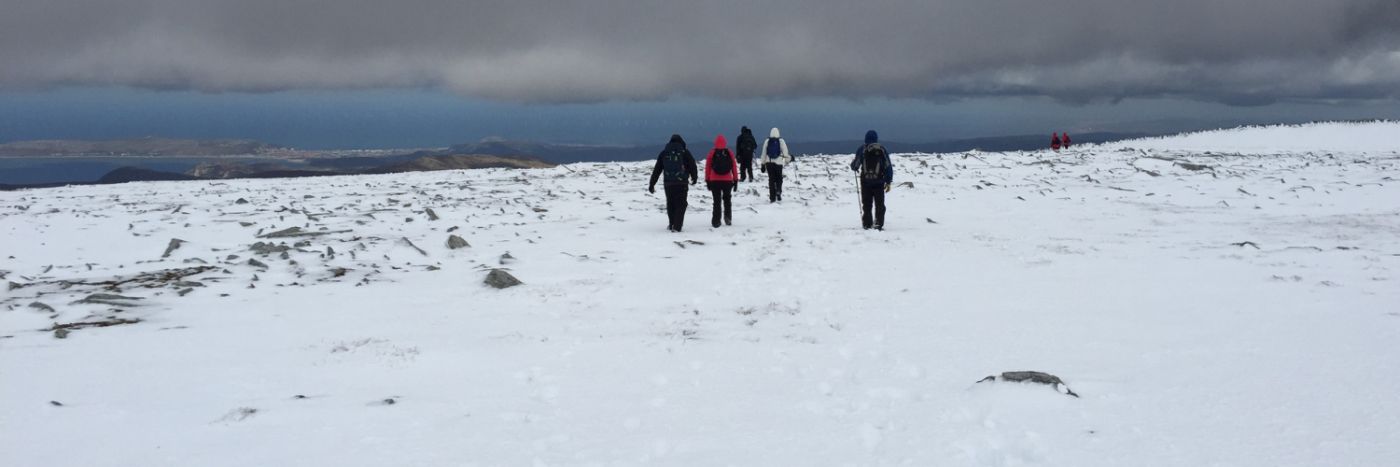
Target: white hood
774	134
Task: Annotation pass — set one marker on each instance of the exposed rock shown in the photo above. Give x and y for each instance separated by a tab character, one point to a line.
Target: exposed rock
174	245
92	324
415	247
298	232
1033	377
109	299
432	216
501	279
41	307
454	242
241	201
507	258
60	333
268	248
257	264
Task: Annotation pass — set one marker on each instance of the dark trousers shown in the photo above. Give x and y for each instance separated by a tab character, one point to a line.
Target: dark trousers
775	181
872	194
746	171
676	204
721	192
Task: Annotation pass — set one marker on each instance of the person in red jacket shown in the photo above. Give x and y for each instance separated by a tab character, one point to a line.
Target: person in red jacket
1065	141
721	176
1055	141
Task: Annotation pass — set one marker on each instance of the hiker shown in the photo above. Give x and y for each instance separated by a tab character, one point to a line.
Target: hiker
1055	141
678	165
775	156
1065	141
720	166
745	146
876	171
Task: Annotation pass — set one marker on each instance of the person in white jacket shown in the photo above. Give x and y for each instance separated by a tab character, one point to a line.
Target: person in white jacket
775	157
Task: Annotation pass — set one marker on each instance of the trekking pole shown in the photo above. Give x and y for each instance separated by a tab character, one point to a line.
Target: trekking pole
860	199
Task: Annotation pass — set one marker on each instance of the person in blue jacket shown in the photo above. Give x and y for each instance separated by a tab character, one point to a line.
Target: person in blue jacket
876	171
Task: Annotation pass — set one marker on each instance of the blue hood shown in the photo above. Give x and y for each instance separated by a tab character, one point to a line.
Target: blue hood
872	137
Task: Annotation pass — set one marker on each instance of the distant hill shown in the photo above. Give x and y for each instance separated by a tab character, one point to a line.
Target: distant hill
557	153
136	147
280	168
136	174
462	161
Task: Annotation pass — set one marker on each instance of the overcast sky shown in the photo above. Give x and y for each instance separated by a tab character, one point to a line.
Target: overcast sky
535	55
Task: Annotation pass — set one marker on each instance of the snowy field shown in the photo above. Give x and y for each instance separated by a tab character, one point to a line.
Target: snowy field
1208	309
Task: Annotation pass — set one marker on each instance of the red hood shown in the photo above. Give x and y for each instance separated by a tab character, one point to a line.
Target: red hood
720	142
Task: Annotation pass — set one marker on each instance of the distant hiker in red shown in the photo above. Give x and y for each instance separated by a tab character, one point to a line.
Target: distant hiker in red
721	178
1055	141
1065	143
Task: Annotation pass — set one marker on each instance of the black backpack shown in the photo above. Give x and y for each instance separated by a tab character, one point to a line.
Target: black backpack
746	144
872	167
673	165
722	162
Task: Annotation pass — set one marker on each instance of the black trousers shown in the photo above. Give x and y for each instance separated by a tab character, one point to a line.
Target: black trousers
676	204
775	181
722	192
746	171
872	194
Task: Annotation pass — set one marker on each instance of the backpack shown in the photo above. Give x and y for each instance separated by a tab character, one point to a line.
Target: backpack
872	167
721	162
746	144
774	149
673	165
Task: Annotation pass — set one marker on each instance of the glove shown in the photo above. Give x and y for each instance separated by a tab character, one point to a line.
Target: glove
763	169
652	189
887	188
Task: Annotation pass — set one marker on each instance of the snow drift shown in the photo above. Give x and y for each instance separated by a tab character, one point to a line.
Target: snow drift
1379	136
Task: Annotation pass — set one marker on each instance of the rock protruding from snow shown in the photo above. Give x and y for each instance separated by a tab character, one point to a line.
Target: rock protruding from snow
501	279
1033	377
170	248
109	299
454	242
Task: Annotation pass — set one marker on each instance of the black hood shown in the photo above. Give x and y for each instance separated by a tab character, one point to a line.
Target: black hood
676	139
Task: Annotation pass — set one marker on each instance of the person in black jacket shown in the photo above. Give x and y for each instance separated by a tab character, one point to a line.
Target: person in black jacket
876	171
744	147
678	165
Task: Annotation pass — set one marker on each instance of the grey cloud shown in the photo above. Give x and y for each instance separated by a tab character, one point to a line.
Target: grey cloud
1234	51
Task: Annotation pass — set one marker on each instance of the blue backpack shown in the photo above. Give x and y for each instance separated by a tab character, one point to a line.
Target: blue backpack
774	148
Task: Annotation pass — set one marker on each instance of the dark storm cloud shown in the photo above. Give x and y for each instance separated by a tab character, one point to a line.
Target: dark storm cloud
1240	51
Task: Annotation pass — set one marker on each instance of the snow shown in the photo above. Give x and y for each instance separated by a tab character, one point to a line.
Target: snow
792	338
1379	136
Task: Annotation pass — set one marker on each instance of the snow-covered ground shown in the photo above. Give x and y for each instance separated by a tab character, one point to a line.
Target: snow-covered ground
1239	310
1335	137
